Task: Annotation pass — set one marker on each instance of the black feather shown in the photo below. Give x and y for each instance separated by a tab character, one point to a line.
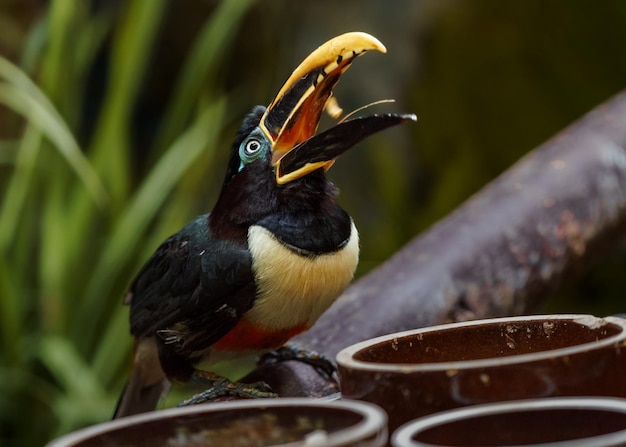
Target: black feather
191	292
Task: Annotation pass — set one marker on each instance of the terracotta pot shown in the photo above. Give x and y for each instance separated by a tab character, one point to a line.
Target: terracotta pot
551	422
419	372
268	422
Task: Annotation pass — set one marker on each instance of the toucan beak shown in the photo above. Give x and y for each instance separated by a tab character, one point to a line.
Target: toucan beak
291	120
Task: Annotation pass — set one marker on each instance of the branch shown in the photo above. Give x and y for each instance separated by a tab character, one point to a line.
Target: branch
504	251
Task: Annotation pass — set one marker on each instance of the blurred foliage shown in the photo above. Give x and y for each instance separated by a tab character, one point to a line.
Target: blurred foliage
77	218
118	117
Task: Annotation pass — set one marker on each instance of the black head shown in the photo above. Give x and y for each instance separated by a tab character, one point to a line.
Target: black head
250	193
245	132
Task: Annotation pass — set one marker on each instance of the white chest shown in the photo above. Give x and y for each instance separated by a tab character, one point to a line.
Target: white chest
294	289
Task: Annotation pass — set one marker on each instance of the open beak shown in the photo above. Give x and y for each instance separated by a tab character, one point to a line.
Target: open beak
291	120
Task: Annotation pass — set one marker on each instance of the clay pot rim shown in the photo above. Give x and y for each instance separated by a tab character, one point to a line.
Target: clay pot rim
402	436
345	357
374	418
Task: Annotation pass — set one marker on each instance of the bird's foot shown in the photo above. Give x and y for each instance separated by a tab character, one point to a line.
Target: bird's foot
322	364
221	386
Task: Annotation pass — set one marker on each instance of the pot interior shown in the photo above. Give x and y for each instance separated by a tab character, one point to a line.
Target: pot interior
486	340
238	427
522	427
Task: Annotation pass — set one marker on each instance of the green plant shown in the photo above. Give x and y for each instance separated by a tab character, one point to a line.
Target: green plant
76	220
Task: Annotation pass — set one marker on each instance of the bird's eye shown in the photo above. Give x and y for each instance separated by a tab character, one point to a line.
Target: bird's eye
252	147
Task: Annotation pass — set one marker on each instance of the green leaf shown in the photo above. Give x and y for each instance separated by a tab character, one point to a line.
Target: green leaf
200	68
26	99
84	400
19	185
130	53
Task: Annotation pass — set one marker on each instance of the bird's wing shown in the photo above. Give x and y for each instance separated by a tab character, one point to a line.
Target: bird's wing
192	290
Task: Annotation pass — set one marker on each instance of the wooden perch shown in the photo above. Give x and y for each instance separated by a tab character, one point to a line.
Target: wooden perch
503	252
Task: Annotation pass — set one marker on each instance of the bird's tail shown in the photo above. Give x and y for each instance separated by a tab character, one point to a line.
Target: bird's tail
145	386
137	398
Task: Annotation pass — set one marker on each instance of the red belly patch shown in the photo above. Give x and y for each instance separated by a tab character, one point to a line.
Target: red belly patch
247	336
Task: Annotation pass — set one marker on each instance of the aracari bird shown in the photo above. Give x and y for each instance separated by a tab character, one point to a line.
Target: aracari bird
271	257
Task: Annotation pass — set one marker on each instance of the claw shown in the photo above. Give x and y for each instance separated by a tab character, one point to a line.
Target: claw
220	386
322	364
